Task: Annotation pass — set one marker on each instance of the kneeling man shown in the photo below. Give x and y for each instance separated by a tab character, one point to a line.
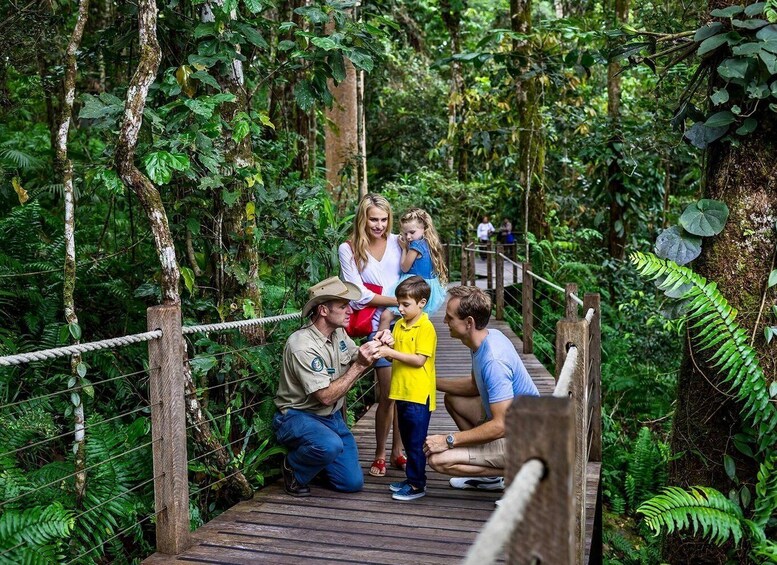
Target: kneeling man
475	454
320	364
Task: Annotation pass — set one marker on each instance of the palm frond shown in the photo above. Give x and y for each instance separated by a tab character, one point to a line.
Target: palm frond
699	509
714	318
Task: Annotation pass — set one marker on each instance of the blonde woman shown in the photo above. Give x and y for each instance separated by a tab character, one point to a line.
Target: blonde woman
373	255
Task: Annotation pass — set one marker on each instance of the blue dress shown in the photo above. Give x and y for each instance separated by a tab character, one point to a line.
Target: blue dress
424	268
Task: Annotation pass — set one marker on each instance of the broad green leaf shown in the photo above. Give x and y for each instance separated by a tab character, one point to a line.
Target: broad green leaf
755	9
337	64
754	23
733	68
264	118
75	399
71	382
773	386
158	166
719	97
254	6
286	45
193	225
770	60
751	48
75	330
177	161
748	126
188	279
251	35
774	311
727	12
767	33
701	136
360	59
744	496
730	466
711	43
324	43
768	335
720	119
242	129
89	390
81	370
303	95
705	217
205	77
230	197
760	91
706	31
772	279
201	365
676	244
200	107
184	78
312	13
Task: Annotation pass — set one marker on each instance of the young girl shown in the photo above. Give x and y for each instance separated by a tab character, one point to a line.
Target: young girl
421	256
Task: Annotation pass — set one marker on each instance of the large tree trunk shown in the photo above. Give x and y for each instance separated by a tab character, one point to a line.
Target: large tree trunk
531	137
150	199
346	165
739	260
616	239
68	287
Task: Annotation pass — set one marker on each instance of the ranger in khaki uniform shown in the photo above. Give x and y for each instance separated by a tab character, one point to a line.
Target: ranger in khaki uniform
320	364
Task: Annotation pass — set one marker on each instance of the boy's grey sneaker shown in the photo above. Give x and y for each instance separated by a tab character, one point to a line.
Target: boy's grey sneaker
407	492
479	483
398	486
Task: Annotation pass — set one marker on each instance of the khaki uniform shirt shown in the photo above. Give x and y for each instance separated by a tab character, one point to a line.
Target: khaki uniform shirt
311	361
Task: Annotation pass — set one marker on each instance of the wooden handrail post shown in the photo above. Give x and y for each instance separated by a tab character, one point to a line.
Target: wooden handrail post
514	257
527	308
168	429
592	300
463	268
472	270
490	266
575	333
571	306
500	283
542	428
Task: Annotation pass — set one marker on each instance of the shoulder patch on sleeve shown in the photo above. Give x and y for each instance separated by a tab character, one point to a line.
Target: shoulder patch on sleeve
317	364
342	345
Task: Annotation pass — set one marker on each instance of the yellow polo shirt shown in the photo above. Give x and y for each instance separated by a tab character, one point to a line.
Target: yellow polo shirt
414	384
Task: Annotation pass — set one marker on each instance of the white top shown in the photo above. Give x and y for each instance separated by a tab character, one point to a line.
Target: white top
384	272
485	230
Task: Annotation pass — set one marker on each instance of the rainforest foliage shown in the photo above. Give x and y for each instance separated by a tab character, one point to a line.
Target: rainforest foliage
627	129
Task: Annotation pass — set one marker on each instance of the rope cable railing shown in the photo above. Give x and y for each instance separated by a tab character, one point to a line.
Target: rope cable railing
54	353
506	258
70	432
230	413
576	298
70	389
477	250
124	531
564	382
205	328
509	513
90	467
225	383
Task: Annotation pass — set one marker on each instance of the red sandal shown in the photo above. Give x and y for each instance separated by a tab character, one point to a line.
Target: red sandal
378	468
399	462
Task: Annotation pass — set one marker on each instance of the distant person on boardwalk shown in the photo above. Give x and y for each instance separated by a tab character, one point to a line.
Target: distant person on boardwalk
475	453
484	231
320	364
506	232
421	256
373	256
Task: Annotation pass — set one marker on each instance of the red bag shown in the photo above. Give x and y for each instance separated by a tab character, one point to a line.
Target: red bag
360	324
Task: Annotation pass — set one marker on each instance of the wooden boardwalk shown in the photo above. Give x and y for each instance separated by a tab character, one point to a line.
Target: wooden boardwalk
366	527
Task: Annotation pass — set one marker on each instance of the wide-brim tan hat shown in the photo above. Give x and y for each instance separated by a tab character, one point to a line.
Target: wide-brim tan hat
330	289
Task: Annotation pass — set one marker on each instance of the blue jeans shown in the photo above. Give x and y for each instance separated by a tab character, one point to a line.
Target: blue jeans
320	443
413	428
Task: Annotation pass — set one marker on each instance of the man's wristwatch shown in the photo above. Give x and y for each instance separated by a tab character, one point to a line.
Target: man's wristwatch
450	440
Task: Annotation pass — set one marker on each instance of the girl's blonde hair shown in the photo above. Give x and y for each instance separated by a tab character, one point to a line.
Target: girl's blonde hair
360	239
432	239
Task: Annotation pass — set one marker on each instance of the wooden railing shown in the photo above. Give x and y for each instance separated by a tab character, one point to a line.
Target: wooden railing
564	433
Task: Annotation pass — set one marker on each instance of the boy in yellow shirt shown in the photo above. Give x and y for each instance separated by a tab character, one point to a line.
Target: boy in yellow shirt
412	381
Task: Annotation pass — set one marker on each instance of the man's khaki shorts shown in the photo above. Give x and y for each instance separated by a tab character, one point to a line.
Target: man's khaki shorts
491	454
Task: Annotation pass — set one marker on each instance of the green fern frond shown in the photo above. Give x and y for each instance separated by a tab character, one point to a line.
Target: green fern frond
37	526
699	508
766	491
715	319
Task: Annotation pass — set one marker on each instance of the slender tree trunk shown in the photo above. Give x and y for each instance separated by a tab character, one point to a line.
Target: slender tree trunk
68	287
739	260
531	137
456	158
617	229
150	199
